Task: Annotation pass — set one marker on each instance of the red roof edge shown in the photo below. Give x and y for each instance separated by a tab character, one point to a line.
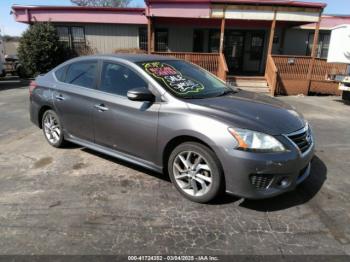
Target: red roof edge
248	2
81	8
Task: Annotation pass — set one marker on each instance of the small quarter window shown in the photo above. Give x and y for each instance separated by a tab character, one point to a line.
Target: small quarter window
61	73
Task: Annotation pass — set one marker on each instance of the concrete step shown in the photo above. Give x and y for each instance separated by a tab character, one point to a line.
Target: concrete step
250	83
259	90
255	84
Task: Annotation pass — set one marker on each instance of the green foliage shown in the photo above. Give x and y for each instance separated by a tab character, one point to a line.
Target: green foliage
39	49
104	3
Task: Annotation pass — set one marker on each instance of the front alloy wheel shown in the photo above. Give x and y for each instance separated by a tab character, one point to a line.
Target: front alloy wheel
192	173
195	171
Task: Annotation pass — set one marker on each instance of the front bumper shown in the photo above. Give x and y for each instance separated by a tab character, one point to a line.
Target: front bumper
257	175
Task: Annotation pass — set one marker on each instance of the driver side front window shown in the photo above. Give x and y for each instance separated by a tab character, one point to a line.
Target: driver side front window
118	79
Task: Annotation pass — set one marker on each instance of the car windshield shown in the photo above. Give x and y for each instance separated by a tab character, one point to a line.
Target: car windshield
185	80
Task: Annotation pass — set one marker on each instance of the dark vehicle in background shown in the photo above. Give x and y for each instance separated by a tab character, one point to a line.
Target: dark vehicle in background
11	66
172	116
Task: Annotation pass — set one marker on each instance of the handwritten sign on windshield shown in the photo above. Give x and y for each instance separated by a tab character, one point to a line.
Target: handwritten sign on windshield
172	78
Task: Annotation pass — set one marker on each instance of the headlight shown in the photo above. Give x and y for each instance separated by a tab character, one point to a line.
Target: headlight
248	140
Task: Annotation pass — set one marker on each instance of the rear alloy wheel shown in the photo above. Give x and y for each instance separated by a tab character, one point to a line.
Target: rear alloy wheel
195	172
52	128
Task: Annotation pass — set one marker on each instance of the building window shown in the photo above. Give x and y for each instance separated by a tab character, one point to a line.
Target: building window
72	36
143	38
63	34
161	40
323	45
198	40
214	40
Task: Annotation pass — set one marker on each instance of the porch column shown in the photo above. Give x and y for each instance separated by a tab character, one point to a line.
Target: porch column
222	34
272	35
150	35
314	50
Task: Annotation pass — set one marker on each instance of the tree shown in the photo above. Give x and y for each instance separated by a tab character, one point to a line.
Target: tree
103	3
39	49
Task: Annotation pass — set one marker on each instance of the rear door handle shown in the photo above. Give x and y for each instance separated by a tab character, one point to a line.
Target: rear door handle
59	97
101	107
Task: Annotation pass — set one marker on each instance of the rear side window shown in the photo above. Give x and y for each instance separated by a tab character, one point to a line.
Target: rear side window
61	73
82	74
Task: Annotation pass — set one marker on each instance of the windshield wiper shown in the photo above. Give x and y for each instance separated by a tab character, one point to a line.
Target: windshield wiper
228	91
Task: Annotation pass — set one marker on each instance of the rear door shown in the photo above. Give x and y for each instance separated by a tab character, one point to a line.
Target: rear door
121	124
74	97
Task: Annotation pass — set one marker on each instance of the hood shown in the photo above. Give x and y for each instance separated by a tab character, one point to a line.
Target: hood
251	111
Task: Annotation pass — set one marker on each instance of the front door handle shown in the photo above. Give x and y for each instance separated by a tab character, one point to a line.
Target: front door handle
59	97
101	107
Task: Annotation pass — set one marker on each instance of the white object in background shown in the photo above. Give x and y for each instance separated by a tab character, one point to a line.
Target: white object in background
339	47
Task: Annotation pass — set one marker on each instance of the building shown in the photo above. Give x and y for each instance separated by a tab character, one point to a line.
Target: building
272	39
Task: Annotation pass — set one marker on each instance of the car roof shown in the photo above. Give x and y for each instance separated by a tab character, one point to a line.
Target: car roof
134	58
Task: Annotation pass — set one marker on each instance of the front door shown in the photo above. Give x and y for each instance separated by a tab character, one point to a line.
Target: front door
244	51
233	49
253	52
121	124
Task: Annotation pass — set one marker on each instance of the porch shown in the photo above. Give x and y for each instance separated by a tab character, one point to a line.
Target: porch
240	41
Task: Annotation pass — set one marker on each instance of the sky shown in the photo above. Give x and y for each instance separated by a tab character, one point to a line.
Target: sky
9	27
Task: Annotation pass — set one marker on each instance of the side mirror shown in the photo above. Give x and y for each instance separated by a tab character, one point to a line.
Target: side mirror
140	94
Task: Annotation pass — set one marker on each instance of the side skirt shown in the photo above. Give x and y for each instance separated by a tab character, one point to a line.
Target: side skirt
114	153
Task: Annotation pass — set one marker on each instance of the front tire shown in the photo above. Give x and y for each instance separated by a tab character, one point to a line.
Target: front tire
52	129
196	172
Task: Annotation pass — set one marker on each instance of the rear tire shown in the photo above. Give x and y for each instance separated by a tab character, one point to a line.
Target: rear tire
52	129
196	172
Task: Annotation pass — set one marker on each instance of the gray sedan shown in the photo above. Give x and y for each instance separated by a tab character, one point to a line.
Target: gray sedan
174	117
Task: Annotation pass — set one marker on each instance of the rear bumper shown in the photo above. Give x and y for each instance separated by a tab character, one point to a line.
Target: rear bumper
258	176
34	112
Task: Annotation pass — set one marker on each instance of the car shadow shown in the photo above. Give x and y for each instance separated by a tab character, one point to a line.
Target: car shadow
7	83
301	195
161	176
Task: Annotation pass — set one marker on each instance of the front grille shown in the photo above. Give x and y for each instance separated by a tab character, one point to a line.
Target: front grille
261	181
302	139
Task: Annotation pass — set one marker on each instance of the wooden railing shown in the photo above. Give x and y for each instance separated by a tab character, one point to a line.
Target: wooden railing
323	70
297	75
271	74
297	67
209	61
222	68
292	66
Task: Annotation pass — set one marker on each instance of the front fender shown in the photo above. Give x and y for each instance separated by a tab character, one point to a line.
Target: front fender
211	131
